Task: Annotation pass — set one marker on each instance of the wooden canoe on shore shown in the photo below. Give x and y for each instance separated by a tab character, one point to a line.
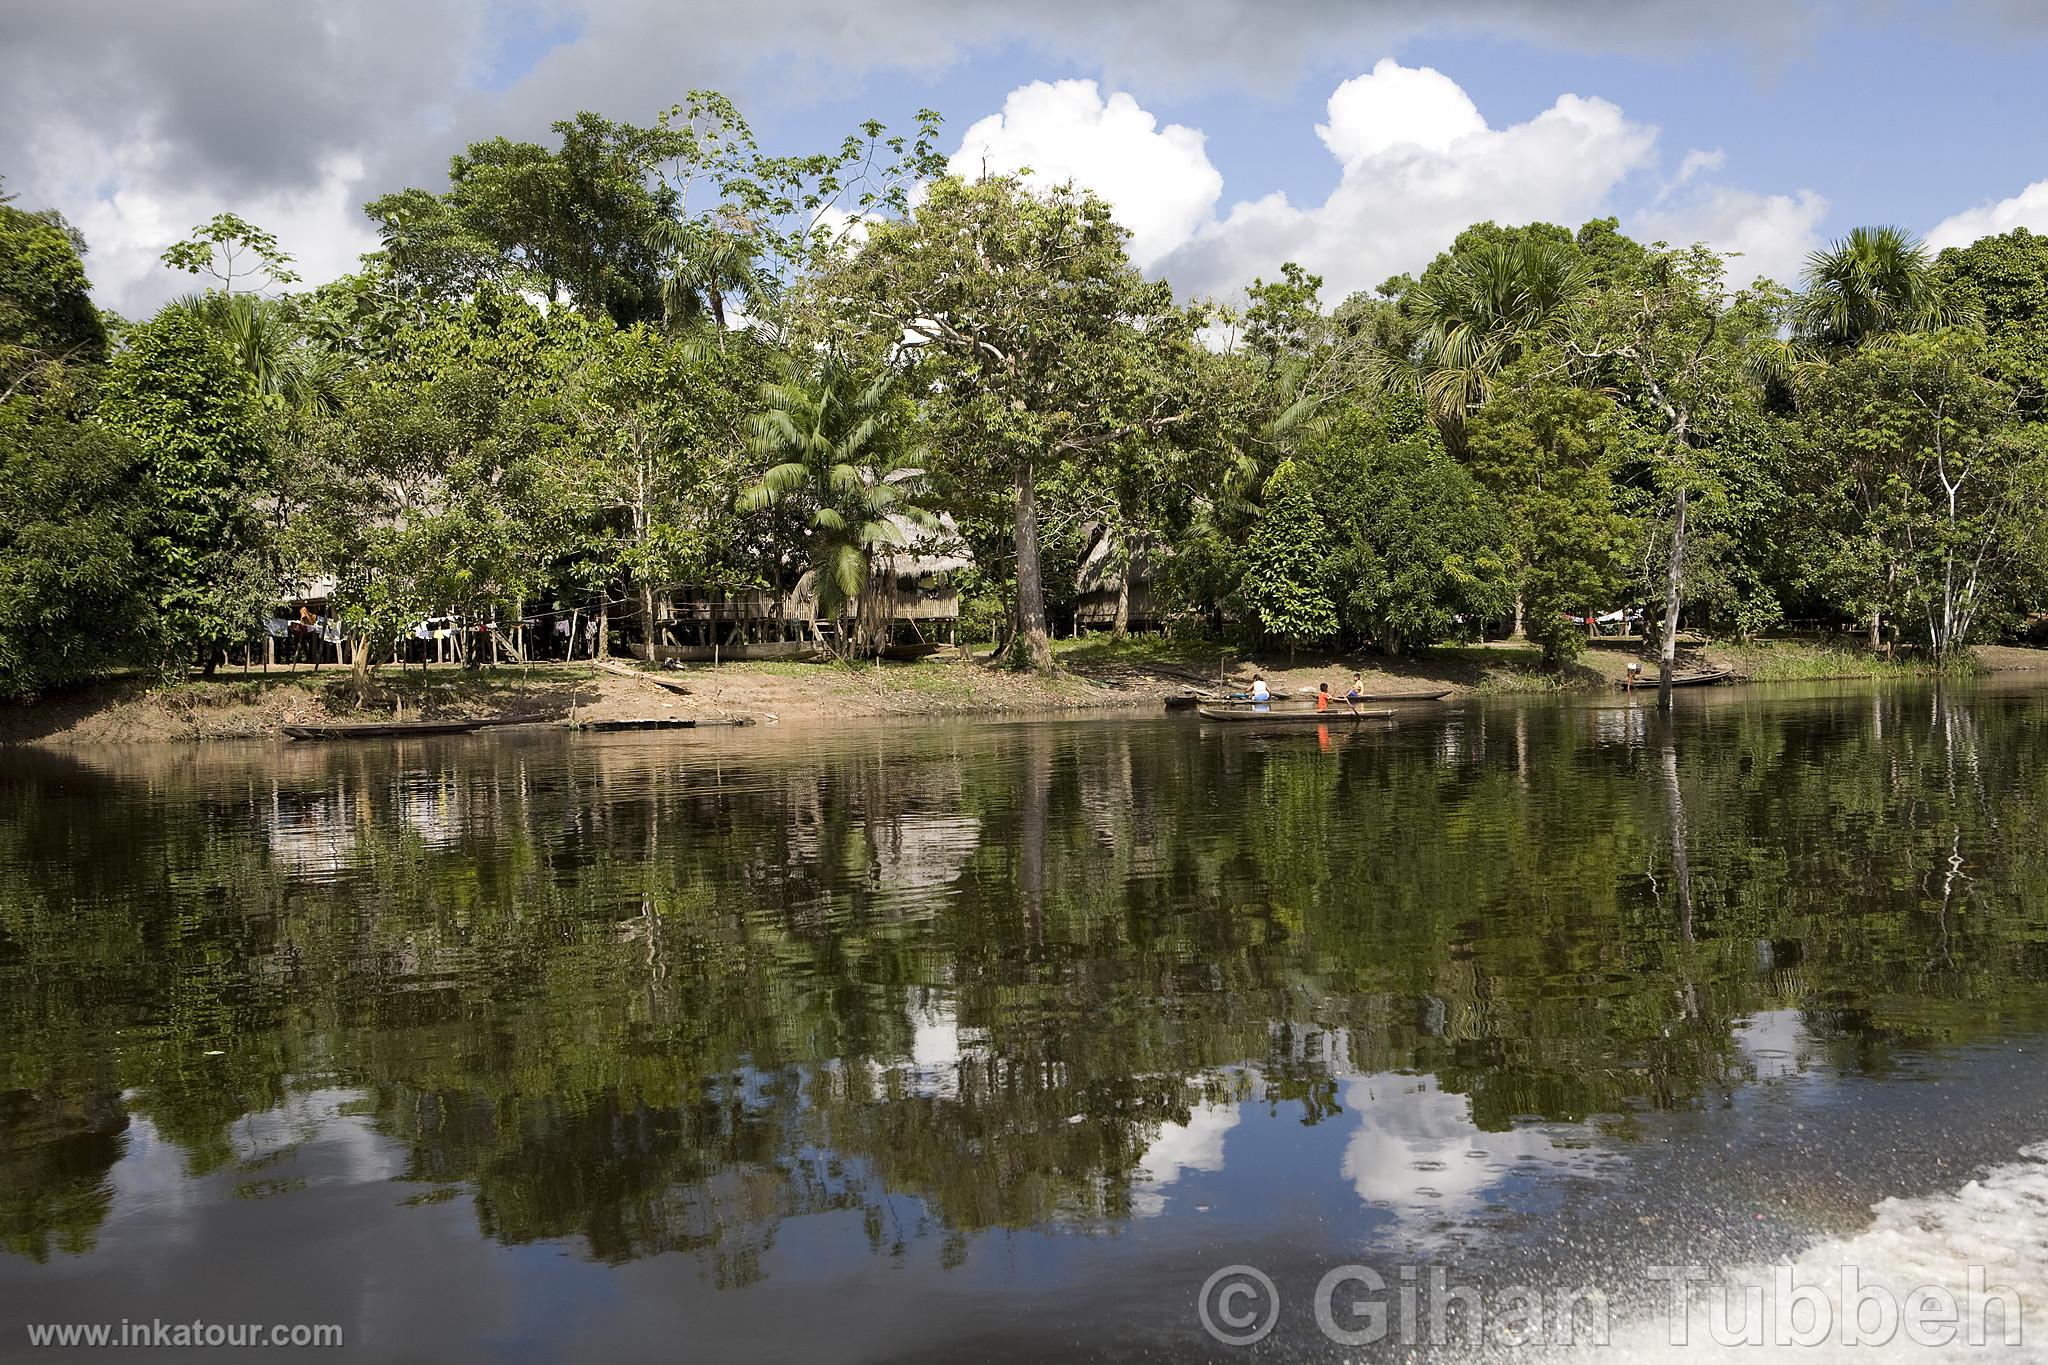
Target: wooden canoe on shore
663	723
401	729
1246	713
1701	678
396	729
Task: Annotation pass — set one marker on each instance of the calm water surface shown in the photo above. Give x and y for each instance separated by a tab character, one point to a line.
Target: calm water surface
994	1041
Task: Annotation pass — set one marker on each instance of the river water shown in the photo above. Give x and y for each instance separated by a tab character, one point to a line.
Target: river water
1000	1040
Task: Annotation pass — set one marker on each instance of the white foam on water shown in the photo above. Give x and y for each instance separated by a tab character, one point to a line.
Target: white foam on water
1990	1237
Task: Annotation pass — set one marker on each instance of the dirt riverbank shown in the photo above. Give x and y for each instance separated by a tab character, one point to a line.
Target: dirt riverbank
1095	674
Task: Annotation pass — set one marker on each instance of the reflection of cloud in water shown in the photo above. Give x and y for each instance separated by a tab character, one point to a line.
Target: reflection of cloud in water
152	1181
1196	1145
1418	1152
1774	1041
937	1043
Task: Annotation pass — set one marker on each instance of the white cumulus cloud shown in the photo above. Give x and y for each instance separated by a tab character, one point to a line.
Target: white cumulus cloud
137	209
1418	164
1158	180
2027	209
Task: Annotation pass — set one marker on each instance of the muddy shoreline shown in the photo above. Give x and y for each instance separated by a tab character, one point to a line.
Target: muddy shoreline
1092	677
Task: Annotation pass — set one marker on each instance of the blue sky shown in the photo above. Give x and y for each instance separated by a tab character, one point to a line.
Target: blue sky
1765	126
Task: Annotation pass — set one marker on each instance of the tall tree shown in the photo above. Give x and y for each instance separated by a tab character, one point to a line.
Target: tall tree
47	320
1673	342
2003	282
1956	482
1042	337
835	445
231	249
1287	568
1485	308
181	397
1875	281
1541	445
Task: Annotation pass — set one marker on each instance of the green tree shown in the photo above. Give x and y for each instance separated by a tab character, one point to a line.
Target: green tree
2003	282
189	408
836	447
576	223
1675	345
1285	587
290	372
1415	545
1541	446
1955	483
72	603
1875	281
1482	310
231	248
47	320
1044	340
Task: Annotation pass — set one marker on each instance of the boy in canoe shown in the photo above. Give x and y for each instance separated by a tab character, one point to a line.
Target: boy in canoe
1357	692
1322	696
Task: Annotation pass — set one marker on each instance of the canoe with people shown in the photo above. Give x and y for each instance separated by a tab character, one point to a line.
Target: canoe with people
1261	695
1248	715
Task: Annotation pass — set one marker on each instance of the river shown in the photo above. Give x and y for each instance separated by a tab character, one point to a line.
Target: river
1004	1040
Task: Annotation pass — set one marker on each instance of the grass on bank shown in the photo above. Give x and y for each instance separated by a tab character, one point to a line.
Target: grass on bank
1804	661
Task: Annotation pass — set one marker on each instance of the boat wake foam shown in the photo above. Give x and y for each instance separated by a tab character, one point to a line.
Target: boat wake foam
1983	1247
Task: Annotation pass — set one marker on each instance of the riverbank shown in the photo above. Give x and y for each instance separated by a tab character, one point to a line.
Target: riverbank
1095	674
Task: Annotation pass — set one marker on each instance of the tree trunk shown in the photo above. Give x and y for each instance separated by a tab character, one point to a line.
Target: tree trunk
1674	590
1876	630
603	649
1123	606
1031	638
1518	632
647	616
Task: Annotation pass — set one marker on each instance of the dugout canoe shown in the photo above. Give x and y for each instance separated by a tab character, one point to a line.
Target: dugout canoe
1248	714
384	730
662	723
1700	679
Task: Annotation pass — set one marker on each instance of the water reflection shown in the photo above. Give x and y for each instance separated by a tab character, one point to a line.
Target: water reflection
1416	1151
680	996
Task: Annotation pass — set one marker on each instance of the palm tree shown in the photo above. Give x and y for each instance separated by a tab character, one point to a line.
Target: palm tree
1874	282
1864	290
1493	304
835	443
288	371
707	265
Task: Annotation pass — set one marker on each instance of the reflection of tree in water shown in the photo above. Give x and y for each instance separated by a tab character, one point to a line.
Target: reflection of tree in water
654	1001
56	1146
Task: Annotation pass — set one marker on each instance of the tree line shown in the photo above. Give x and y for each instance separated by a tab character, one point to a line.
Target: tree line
584	375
